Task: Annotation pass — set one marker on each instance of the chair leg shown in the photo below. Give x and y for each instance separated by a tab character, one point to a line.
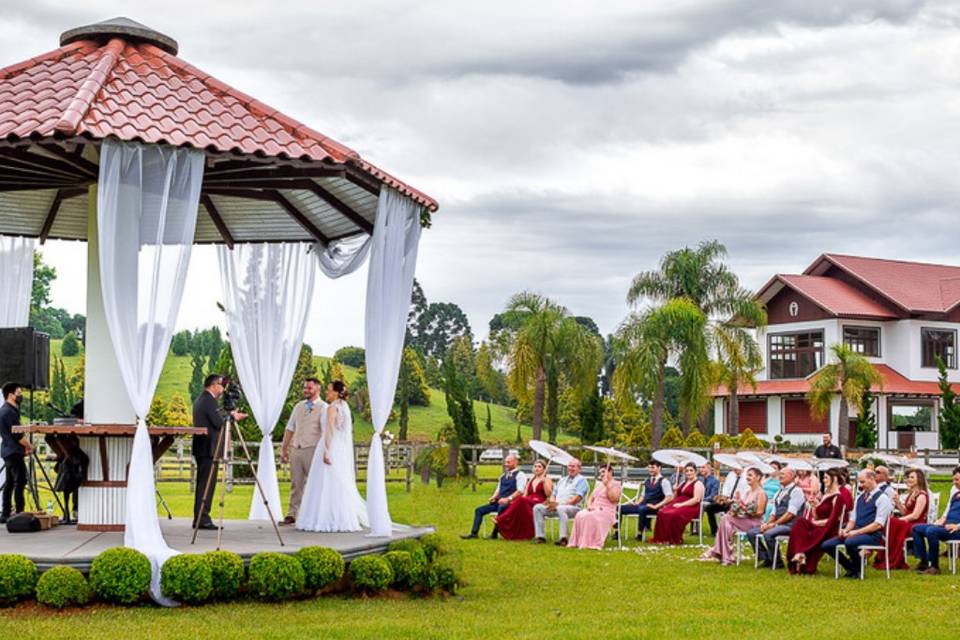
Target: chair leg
836	562
739	548
756	552
776	554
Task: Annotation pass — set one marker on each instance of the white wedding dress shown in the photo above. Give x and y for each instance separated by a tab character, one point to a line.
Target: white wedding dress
331	501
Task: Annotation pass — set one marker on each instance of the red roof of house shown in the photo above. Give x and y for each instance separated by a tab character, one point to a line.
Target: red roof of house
131	88
837	297
913	286
893	383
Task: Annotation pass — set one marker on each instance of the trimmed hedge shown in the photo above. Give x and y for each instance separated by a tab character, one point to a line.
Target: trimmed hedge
418	556
120	575
187	578
274	576
401	563
321	566
18	577
432	546
226	573
444	575
61	587
370	573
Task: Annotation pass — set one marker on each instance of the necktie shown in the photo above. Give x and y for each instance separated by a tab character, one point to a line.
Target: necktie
733	491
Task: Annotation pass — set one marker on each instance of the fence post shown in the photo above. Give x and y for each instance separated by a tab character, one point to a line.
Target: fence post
409	465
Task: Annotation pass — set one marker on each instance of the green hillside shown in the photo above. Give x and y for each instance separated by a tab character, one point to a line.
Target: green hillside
425	422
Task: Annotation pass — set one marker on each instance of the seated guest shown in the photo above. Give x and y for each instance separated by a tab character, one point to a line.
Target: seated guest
927	537
865	526
771	485
913	511
711	486
788	502
823	522
808	481
568	495
682	508
592	525
510	486
745	512
656	493
721	502
516	521
885	482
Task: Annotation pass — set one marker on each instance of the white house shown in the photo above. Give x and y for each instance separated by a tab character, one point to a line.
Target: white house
900	315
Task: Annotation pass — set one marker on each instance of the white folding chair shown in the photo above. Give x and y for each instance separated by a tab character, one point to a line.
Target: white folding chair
953	546
777	541
696	526
622	530
739	537
885	547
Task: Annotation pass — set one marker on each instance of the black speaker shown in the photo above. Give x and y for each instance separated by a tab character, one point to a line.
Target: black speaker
25	357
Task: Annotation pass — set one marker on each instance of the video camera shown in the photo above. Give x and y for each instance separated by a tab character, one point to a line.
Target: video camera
232	394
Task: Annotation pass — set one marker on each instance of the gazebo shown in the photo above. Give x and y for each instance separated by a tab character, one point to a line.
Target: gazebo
113	124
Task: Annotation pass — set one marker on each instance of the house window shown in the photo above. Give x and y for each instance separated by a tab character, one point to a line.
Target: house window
911	416
795	355
863	340
938	342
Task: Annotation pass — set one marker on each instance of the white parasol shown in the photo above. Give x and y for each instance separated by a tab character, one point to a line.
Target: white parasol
822	464
678	457
799	464
611	452
889	458
729	460
551	452
920	465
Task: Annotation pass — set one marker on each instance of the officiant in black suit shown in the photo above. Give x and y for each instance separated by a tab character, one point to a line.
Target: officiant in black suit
208	415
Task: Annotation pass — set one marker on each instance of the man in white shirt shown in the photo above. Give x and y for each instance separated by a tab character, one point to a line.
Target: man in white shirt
721	502
569	495
884	482
787	505
865	526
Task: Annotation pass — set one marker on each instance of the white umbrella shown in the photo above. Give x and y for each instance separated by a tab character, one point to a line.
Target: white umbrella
678	457
822	464
799	464
729	460
551	452
888	458
920	465
611	452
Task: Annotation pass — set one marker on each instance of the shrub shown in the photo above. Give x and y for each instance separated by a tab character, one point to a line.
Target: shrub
274	576
18	577
120	575
187	577
226	574
432	546
695	440
401	563
418	557
321	566
61	587
749	441
370	573
672	439
445	575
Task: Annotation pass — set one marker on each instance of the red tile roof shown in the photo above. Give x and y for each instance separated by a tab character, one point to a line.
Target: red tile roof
837	297
136	91
914	286
893	383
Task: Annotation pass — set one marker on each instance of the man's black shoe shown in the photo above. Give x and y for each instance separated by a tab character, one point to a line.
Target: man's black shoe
923	566
3	519
469	536
852	574
639	537
208	526
766	564
562	542
540	541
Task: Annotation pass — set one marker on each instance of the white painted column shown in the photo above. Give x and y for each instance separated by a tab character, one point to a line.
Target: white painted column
719	404
774	416
105	398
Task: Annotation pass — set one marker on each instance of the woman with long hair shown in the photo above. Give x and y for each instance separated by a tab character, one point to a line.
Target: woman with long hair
746	512
516	522
685	506
818	524
913	511
592	525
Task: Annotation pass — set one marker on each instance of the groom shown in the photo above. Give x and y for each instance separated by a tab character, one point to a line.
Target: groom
303	433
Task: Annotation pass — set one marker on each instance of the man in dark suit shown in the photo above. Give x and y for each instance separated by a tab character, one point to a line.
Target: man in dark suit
207	414
13	448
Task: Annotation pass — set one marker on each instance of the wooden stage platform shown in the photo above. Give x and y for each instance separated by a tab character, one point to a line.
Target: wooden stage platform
66	545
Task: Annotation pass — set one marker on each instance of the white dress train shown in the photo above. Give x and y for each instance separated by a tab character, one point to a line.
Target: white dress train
331	501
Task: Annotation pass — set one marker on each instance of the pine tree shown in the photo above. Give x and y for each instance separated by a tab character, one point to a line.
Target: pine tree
949	416
591	419
569	411
489	419
178	413
70	346
199	362
158	413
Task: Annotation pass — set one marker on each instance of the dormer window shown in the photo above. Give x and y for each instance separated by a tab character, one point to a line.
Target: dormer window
795	355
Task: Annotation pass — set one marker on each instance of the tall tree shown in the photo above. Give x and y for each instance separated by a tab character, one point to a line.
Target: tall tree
433	326
949	415
851	375
739	359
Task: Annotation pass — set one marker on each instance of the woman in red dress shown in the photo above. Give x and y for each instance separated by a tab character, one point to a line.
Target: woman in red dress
685	506
913	511
516	522
822	523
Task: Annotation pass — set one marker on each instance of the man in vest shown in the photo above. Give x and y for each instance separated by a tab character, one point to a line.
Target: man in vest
300	440
787	504
509	487
656	493
865	526
927	537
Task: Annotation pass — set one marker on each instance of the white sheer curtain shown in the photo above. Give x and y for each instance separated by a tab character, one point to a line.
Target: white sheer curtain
267	290
393	260
16	281
147	213
342	257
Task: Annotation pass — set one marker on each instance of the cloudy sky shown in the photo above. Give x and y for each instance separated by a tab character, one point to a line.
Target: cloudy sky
571	144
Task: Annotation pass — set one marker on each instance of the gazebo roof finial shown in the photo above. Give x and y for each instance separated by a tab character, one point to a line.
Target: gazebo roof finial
122	27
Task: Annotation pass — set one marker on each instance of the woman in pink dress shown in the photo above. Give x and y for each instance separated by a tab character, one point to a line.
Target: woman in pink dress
685	506
808	481
746	512
516	522
592	525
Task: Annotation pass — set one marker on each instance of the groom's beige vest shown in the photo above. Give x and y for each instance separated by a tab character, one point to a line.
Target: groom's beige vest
307	429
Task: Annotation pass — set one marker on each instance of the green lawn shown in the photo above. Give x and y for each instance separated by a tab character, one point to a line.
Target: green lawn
519	590
425	422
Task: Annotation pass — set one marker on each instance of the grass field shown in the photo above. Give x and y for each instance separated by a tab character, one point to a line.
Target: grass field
518	590
425	422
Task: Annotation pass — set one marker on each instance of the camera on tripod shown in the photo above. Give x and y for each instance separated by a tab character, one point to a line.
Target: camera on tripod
232	395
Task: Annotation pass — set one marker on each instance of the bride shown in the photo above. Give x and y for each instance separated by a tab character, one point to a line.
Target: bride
331	501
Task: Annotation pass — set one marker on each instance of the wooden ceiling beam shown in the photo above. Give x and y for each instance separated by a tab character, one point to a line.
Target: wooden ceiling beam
251	194
73	159
23	161
268	172
301	218
364	181
217	219
344	209
51	216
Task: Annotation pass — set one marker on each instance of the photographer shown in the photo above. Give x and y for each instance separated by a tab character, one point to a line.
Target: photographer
207	414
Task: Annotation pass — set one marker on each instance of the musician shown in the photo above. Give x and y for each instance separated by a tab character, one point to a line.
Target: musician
207	414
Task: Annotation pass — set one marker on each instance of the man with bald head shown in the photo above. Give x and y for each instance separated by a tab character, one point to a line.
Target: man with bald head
865	526
884	483
509	487
787	505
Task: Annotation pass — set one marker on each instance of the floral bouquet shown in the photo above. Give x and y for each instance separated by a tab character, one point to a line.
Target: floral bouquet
741	510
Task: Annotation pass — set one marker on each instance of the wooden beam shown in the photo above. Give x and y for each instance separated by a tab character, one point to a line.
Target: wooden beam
6	185
301	218
51	216
217	219
27	164
251	194
46	163
73	159
364	181
337	204
268	172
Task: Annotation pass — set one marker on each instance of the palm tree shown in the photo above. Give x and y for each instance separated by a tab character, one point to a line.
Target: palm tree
849	375
541	336
700	276
643	344
739	359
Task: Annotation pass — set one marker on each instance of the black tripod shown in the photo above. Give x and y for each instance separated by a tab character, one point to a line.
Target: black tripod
222	459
